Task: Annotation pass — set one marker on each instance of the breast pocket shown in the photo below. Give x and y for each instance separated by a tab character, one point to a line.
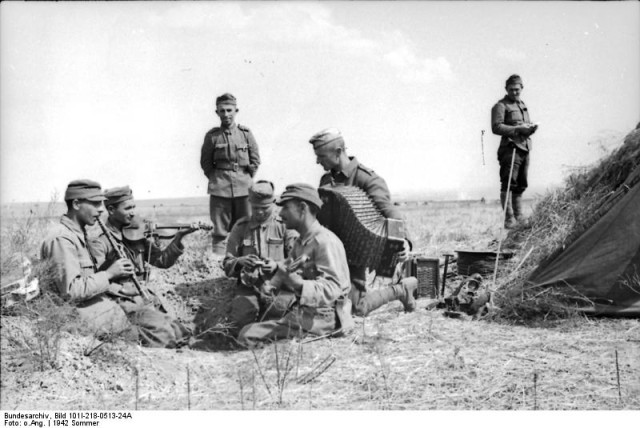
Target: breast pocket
220	149
512	115
275	249
242	151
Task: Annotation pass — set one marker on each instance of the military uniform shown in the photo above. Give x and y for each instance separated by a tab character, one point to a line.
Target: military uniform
505	116
326	281
356	174
155	327
267	240
229	159
319	265
78	280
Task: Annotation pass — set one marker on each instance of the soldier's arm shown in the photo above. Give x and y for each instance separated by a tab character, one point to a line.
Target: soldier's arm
377	189
69	278
206	156
230	262
254	153
328	285
498	126
163	258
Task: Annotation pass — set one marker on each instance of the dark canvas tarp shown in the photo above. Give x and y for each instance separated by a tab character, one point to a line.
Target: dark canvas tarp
604	263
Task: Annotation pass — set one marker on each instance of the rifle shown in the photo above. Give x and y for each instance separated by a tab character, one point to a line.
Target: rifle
146	297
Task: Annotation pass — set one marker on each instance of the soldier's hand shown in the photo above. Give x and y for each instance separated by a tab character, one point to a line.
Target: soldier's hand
403	254
269	266
121	268
129	289
249	261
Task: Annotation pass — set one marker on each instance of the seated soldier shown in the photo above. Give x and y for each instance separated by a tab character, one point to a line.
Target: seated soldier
255	245
153	319
76	274
316	272
343	170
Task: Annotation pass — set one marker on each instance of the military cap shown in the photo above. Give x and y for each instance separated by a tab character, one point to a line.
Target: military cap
84	189
117	194
325	137
262	193
302	191
514	79
226	98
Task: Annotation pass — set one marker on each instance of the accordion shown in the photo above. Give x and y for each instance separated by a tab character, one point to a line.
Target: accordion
368	237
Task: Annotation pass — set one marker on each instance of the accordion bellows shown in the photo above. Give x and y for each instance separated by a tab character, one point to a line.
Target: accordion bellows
368	237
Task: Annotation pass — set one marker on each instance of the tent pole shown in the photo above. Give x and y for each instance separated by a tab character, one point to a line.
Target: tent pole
504	212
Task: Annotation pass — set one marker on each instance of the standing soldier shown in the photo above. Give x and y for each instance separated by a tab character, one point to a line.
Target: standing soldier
256	244
229	159
510	119
342	169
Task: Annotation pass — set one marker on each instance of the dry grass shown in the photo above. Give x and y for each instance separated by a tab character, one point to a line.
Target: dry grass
558	219
395	361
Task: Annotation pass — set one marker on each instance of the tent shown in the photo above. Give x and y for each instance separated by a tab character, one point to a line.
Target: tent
603	264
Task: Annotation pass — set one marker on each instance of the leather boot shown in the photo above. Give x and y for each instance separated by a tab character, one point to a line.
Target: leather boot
509	220
403	292
516	202
219	246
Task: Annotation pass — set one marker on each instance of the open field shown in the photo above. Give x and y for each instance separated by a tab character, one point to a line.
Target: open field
418	361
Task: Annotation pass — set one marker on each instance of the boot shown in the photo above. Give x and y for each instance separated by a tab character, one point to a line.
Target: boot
516	202
509	220
219	245
373	299
405	292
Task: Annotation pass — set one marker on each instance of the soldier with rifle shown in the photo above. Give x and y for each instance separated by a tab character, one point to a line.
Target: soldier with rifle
150	315
76	275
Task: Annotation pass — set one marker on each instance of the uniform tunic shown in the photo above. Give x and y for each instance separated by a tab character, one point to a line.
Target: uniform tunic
78	279
356	174
271	240
326	284
155	329
229	159
505	116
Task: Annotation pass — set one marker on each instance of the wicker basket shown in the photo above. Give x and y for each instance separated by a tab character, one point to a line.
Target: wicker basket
427	271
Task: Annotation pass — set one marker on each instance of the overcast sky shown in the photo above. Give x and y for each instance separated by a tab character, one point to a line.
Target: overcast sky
124	92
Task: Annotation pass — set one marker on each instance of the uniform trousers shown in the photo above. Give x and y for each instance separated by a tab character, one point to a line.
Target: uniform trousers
298	322
520	172
225	212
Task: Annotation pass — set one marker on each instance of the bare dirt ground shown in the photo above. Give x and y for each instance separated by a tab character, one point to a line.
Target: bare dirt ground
419	361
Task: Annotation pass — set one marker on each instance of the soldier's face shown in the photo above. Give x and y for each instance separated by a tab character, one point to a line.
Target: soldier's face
123	213
88	211
291	214
327	157
261	213
513	91
227	114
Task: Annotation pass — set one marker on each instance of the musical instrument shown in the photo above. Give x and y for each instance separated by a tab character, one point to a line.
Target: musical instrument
142	229
123	255
368	237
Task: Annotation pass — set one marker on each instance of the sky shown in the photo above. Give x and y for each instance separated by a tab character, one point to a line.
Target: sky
123	93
